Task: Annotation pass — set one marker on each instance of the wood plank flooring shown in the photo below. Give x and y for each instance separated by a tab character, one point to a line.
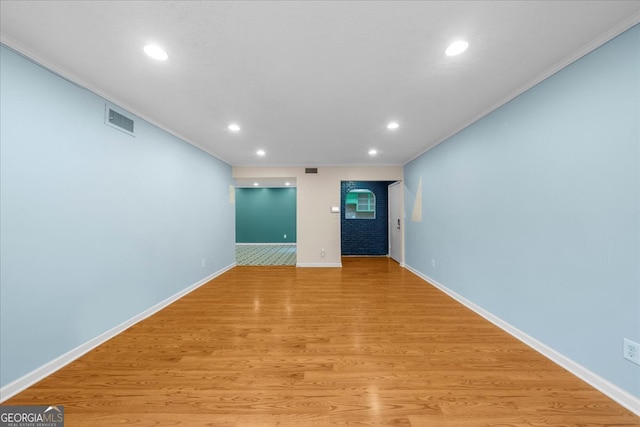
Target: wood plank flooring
370	344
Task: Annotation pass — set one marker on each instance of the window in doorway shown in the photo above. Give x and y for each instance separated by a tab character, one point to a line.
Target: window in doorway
360	204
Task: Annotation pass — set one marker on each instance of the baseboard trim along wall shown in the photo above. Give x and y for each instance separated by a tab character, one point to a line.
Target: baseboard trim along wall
268	244
314	264
624	398
49	368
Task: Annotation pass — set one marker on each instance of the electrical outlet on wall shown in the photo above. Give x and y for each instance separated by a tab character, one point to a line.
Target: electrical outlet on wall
631	351
203	263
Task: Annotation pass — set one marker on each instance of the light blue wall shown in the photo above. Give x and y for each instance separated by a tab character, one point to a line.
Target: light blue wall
533	212
96	226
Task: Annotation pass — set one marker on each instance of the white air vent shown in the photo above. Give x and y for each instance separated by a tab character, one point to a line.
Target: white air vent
118	121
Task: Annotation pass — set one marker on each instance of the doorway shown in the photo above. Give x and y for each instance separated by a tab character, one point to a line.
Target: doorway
266	225
396	222
364	225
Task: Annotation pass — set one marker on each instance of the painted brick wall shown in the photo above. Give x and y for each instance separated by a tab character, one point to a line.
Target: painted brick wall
366	236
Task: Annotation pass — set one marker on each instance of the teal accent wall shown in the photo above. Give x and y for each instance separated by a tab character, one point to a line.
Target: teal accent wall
265	215
96	226
533	212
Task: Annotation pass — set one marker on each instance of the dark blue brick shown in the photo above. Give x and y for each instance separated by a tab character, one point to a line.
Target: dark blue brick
366	236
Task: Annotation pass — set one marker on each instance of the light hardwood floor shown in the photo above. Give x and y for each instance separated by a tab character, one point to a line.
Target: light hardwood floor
368	344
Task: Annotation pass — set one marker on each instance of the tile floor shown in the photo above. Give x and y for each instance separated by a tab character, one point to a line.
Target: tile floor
248	254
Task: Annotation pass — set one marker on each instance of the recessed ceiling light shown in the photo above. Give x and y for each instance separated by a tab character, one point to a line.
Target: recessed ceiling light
156	52
456	48
234	127
255	184
373	152
261	152
287	184
393	125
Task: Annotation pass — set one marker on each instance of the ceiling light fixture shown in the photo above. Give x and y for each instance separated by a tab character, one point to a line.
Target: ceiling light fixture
393	125
234	127
456	48
156	52
255	184
287	184
261	152
373	152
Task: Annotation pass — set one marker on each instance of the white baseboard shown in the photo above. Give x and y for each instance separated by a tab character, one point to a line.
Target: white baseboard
621	396
49	368
318	264
268	244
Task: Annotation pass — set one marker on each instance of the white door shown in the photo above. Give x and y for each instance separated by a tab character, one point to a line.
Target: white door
396	222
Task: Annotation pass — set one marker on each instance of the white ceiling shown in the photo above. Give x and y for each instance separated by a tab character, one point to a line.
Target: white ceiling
311	82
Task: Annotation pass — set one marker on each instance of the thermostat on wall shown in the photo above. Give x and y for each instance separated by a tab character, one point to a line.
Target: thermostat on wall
335	209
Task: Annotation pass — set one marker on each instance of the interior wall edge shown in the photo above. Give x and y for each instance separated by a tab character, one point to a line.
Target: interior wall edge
40	61
60	362
604	38
616	393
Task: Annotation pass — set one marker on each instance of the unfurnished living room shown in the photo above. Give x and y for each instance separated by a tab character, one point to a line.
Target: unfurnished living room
320	213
